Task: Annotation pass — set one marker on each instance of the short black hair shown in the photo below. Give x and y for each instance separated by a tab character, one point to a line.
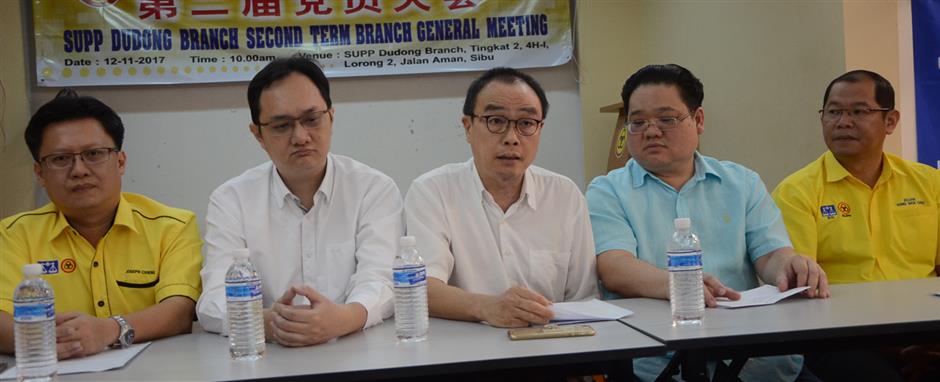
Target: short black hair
280	68
504	75
690	88
69	106
884	92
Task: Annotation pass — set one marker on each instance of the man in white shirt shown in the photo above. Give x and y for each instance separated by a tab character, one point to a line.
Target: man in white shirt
502	239
321	228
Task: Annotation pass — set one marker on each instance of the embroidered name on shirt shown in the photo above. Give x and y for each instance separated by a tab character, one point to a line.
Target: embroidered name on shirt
140	272
828	211
910	202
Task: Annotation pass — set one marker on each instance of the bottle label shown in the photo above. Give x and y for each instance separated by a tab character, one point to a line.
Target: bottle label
684	259
34	312
243	291
410	276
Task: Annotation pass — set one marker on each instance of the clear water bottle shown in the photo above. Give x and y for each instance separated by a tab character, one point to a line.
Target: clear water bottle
411	293
243	305
34	327
685	275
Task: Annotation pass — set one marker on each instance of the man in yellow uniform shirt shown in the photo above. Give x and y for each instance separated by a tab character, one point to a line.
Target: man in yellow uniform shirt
122	266
863	214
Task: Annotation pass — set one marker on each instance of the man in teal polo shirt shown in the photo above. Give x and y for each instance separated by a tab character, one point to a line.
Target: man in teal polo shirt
632	211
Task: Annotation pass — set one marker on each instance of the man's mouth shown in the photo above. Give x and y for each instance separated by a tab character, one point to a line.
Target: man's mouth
845	138
82	187
509	156
303	152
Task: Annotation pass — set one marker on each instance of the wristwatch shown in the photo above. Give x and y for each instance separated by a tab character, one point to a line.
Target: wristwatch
126	336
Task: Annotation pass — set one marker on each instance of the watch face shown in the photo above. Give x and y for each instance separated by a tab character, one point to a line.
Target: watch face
128	337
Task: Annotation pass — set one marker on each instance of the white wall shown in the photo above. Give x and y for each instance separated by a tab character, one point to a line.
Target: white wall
183	141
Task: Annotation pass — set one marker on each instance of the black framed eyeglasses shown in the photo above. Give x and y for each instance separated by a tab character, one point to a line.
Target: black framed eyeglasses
856	114
60	161
498	124
285	126
639	126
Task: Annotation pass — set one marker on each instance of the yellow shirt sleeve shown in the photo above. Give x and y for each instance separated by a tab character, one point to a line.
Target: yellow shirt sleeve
180	265
12	259
799	216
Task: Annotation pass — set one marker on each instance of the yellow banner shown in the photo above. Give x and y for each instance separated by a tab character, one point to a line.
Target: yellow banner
120	42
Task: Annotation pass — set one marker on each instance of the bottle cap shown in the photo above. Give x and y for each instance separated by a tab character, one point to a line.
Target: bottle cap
683	223
32	269
407	241
240	253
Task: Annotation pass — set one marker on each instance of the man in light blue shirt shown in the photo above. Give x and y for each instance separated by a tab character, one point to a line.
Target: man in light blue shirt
632	211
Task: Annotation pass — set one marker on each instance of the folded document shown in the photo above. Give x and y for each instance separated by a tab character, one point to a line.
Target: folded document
587	311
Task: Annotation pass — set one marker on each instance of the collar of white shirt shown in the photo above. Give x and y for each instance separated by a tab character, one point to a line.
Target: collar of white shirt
528	194
282	194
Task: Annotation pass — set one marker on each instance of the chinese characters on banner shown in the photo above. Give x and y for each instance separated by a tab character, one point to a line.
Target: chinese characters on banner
117	42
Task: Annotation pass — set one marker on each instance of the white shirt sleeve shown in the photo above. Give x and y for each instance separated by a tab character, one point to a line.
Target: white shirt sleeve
224	232
582	266
379	227
424	215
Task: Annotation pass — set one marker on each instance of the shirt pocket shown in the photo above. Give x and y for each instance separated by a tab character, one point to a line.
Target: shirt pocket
136	289
138	281
340	269
914	233
547	271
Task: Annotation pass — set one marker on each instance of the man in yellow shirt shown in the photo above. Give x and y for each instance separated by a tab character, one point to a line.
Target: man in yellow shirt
122	266
863	214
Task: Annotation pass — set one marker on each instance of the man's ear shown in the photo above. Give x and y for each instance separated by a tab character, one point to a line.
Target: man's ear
699	116
256	132
892	118
467	122
40	177
122	161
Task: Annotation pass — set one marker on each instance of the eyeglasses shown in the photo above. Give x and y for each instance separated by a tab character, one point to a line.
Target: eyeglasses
61	161
285	126
498	124
639	126
832	115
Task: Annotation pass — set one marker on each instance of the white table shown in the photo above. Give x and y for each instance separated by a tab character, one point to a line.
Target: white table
453	348
865	314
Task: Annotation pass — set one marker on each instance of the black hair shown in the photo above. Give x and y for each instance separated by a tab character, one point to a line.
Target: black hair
280	68
690	88
884	92
504	75
68	106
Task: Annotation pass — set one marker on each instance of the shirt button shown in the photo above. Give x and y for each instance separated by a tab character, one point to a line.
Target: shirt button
95	264
507	253
100	303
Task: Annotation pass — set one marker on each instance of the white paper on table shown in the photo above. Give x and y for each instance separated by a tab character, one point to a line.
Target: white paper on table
762	295
106	360
587	311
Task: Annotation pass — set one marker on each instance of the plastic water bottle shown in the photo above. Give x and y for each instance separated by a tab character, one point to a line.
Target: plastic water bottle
685	275
243	303
411	293
34	327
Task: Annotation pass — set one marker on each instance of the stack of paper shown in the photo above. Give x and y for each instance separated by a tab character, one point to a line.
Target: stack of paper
587	311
